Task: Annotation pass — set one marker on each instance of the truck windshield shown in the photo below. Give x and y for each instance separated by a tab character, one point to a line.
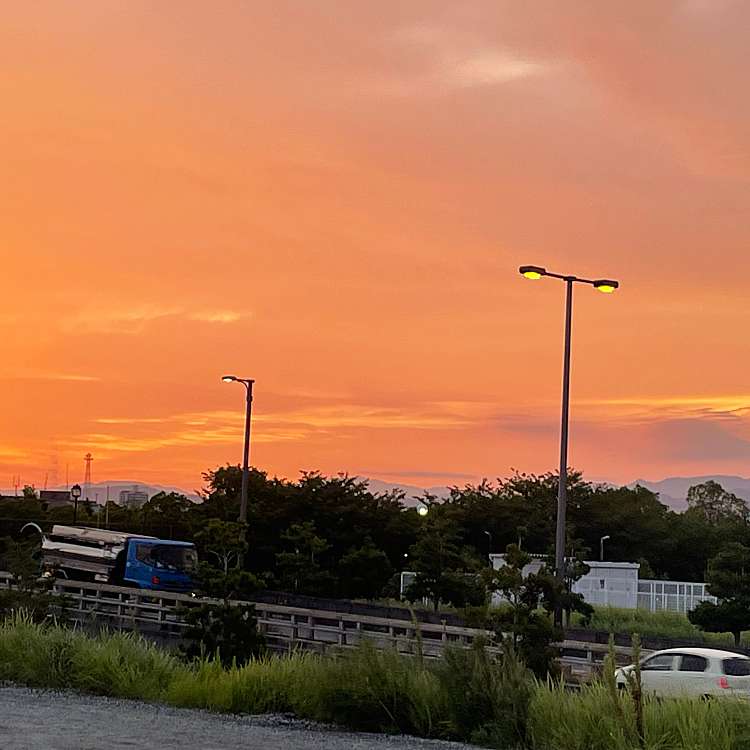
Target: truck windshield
168	556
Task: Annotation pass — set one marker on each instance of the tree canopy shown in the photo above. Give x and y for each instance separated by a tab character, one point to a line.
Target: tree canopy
333	536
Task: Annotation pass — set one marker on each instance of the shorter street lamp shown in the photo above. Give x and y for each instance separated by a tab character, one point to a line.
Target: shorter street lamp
248	383
601	546
75	493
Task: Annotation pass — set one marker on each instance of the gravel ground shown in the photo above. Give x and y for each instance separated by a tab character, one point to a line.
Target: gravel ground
45	720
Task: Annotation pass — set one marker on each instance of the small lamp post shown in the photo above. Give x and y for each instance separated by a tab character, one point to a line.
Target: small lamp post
601	547
75	493
488	534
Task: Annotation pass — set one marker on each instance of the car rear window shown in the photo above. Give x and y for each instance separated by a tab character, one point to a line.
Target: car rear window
693	663
737	667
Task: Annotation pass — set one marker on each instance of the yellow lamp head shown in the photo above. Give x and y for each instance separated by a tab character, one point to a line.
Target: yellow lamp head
532	272
606	286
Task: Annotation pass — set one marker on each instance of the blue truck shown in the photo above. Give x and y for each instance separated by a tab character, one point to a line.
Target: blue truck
120	559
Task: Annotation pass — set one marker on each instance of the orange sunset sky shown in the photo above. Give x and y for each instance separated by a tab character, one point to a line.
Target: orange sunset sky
334	197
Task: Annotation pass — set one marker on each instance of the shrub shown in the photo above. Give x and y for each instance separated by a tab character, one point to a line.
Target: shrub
487	697
223	631
375	691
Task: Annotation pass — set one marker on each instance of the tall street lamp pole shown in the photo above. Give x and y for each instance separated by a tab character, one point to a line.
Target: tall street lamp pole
603	285
248	383
601	547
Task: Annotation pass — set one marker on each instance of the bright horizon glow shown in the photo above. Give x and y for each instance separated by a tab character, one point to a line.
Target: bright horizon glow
337	198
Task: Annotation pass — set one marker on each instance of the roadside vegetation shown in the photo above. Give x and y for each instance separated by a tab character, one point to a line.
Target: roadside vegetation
671	625
468	695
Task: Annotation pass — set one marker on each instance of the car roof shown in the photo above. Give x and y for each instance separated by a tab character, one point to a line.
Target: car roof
708	653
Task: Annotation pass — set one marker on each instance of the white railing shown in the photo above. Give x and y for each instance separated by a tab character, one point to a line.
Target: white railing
160	615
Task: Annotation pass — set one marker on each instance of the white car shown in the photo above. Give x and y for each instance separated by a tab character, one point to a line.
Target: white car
701	672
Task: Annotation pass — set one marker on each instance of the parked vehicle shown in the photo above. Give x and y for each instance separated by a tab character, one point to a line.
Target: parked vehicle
119	558
701	672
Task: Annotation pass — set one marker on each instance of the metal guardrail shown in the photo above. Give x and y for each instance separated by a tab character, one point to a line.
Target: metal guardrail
159	615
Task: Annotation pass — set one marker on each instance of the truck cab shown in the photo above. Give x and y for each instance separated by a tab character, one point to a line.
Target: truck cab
159	564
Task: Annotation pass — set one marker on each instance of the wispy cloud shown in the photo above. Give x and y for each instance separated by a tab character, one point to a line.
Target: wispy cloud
660	407
130	420
489	67
453	60
215	316
72	377
11	452
146	433
134	319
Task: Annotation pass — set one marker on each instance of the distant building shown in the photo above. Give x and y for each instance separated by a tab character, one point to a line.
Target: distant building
609	584
133	498
55	498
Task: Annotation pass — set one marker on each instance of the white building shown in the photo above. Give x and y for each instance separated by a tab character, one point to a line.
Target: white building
613	584
609	584
133	498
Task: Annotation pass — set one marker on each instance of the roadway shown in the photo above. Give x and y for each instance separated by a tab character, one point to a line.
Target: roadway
47	720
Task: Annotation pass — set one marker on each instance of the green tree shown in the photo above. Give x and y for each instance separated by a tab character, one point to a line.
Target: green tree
300	569
715	504
364	571
167	515
224	541
445	572
729	580
522	621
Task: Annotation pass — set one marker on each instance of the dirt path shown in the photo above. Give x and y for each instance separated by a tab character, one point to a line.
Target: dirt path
42	720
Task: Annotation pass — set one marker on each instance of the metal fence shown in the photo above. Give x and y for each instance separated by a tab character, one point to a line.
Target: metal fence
672	596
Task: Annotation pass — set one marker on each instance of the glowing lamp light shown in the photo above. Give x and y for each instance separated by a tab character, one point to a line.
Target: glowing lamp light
606	286
229	378
532	272
422	509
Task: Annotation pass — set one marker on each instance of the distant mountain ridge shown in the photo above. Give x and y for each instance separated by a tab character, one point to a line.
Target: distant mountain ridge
118	485
673	490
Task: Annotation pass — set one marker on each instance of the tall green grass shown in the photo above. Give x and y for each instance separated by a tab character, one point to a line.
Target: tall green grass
562	720
469	695
659	624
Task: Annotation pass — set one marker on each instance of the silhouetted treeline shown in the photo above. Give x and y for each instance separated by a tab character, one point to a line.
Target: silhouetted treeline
331	536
